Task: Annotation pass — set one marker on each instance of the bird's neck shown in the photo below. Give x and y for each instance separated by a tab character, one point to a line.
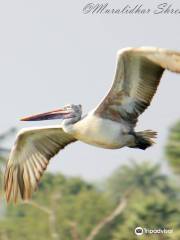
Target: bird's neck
68	124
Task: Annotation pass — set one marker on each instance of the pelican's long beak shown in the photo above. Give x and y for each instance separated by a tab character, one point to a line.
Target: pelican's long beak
55	114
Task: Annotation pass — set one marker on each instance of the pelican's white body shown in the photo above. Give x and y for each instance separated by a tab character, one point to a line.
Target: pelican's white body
100	132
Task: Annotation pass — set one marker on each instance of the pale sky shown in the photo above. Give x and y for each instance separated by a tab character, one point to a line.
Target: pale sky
52	54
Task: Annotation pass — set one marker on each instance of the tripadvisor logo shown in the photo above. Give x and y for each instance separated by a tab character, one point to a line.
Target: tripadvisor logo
140	231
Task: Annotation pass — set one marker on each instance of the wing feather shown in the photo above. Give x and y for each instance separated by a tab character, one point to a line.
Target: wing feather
137	77
29	157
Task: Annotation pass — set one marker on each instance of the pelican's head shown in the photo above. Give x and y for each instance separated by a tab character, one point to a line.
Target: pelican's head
69	111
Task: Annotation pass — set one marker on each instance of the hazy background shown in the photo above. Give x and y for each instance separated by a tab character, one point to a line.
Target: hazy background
52	54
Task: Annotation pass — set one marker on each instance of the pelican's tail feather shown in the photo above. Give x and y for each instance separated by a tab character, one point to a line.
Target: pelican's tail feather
144	139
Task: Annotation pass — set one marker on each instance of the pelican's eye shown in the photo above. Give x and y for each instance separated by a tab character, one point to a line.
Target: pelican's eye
67	107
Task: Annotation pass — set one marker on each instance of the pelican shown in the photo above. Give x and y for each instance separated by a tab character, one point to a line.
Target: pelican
110	125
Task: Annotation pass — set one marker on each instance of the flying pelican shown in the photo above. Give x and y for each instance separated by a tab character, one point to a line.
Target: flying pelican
110	125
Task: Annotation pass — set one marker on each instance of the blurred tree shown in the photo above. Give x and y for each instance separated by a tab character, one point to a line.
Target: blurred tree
3	150
152	211
63	208
153	200
173	147
142	176
71	209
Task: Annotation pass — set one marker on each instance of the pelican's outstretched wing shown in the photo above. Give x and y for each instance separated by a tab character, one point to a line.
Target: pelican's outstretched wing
29	158
137	76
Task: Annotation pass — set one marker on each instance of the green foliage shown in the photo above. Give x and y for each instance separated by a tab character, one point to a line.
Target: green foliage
79	206
173	147
152	211
73	202
143	176
153	200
